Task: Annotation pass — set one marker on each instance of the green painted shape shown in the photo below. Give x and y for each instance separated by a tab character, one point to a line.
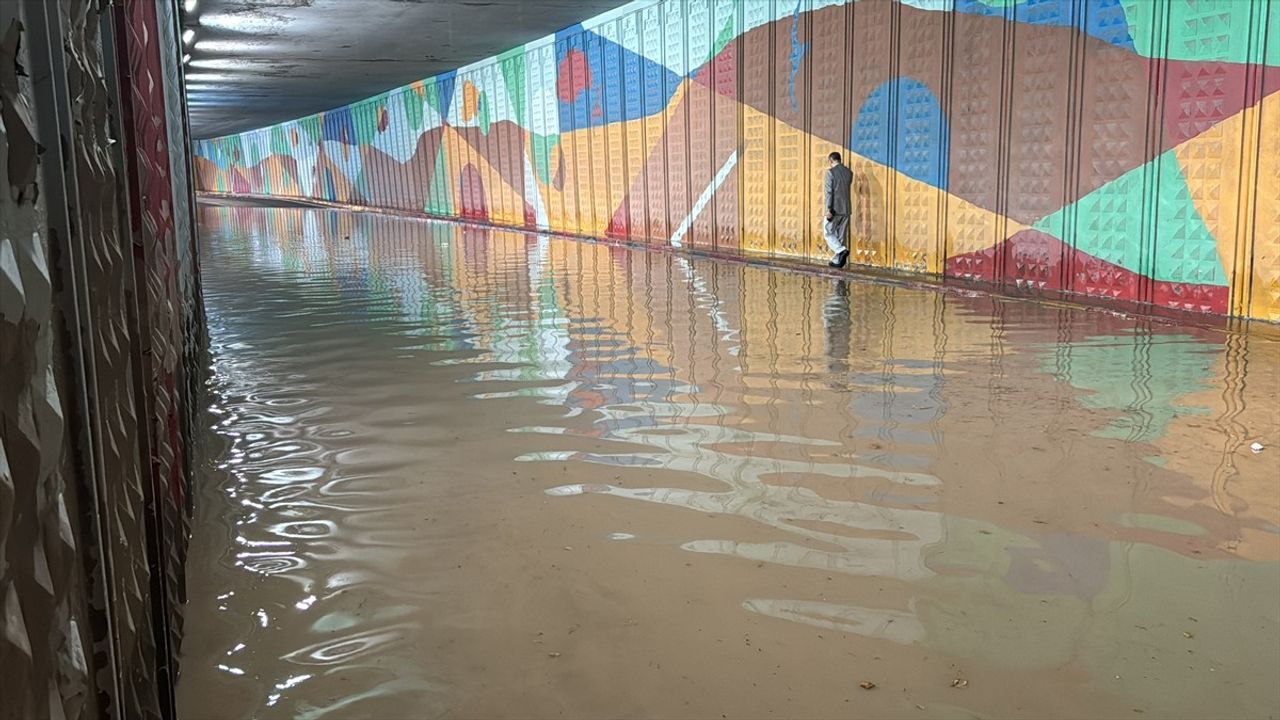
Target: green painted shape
483	112
1205	31
361	187
280	144
727	32
514	78
1103	367
251	154
542	146
439	200
433	96
1161	523
366	121
412	107
310	126
1112	221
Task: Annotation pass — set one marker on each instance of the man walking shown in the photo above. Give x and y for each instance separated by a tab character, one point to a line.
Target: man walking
835	190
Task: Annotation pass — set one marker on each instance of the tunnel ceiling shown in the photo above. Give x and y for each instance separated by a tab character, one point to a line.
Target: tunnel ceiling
258	62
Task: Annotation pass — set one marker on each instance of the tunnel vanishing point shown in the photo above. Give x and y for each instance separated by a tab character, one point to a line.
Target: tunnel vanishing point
523	388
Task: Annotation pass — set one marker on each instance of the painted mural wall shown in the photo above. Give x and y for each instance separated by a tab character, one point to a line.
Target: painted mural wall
1120	149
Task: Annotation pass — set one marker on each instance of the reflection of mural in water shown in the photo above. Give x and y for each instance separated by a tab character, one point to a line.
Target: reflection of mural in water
857	429
1127	149
1142	377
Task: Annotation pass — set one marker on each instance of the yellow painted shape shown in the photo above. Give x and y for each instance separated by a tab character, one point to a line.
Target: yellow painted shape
555	198
495	189
757	181
1220	166
591	171
638	149
470	100
600	168
1264	295
454	161
792	190
883	199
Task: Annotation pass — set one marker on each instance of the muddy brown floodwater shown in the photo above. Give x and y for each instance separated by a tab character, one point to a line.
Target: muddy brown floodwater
456	472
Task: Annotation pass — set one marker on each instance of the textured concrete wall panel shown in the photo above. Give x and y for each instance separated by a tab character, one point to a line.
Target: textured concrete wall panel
1113	152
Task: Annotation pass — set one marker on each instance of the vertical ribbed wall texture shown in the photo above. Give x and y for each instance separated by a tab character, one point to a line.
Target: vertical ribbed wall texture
100	334
1117	151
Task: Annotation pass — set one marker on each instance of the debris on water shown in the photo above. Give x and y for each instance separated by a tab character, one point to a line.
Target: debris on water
1256	448
867	685
959	683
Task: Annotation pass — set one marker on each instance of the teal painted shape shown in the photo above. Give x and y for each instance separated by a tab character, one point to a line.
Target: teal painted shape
361	187
542	147
1205	30
439	201
1112	221
513	75
366	122
412	105
280	144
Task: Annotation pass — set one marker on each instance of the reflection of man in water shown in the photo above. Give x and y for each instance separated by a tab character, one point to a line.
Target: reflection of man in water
835	191
835	320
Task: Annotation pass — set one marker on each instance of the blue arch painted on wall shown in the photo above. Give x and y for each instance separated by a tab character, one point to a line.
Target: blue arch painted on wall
920	147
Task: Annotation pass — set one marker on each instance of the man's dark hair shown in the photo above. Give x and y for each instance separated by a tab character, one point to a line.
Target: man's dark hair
834	156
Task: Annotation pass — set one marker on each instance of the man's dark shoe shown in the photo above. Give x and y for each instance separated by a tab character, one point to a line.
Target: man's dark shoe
839	260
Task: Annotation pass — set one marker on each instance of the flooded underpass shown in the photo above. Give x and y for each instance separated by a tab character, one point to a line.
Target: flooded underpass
474	473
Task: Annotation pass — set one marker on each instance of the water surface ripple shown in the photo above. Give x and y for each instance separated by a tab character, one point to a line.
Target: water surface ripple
457	472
